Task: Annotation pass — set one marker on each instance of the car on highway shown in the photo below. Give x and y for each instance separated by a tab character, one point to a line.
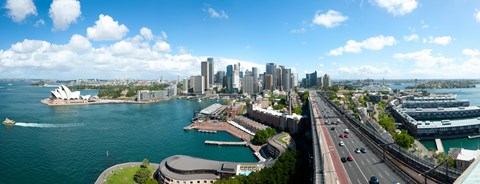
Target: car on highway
341	136
345	136
344	159
333	128
357	150
350	158
346	131
373	180
341	143
363	150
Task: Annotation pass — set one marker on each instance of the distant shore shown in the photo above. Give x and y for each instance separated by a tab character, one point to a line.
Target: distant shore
57	102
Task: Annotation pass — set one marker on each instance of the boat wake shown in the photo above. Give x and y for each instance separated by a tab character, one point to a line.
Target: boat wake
45	125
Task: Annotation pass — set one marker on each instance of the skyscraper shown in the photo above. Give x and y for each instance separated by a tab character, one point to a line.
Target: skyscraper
268	82
279	78
236	78
286	79
311	80
255	79
271	69
210	70
294	80
327	81
219	77
206	74
248	83
198	84
185	85
229	79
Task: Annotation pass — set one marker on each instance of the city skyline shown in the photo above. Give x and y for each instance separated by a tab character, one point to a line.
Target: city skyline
405	39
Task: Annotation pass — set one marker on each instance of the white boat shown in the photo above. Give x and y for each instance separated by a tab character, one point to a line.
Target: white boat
8	122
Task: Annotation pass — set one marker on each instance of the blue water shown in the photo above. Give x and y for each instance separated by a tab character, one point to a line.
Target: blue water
68	144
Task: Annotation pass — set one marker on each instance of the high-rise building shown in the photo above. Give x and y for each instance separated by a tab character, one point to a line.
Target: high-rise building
327	81
294	80
248	84
279	77
219	77
206	74
311	80
236	78
185	85
286	79
271	69
255	79
198	84
229	79
268	82
210	71
320	81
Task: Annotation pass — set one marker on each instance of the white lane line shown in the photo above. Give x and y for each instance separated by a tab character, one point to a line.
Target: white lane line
362	162
380	175
359	181
349	164
386	173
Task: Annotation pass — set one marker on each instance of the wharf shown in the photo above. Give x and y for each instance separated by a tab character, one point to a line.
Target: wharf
207	131
220	126
439	144
223	143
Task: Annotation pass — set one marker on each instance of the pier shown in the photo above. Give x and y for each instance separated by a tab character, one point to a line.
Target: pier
207	131
223	143
439	144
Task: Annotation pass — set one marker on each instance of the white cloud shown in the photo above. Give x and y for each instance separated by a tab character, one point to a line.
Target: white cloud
133	57
476	15
161	46
366	70
372	43
471	52
330	19
164	35
412	37
214	14
106	29
39	23
397	7
79	43
18	10
146	33
300	30
442	40
63	13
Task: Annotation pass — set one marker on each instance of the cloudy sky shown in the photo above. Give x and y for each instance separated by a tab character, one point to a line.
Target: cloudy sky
348	39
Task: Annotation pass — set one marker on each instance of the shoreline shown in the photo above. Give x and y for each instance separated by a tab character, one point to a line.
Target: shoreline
50	102
103	176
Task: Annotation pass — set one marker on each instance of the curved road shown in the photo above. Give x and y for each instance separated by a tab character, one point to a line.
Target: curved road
101	179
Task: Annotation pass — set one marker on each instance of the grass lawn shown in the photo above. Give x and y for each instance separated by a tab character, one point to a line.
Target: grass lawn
125	175
281	139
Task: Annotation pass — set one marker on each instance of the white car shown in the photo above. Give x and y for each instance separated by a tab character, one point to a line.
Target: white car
341	143
346	131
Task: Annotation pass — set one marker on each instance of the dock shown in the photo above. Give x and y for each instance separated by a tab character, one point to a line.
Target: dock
439	144
223	143
207	131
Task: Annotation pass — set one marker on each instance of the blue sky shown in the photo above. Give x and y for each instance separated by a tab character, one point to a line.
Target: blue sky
348	39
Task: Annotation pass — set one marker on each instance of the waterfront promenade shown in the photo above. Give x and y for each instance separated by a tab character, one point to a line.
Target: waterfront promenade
103	177
221	126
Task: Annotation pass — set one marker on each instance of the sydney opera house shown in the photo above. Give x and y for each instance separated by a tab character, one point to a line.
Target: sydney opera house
63	96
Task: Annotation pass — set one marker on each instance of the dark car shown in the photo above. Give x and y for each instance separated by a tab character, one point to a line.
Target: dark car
341	136
344	159
373	180
333	128
350	158
345	136
363	150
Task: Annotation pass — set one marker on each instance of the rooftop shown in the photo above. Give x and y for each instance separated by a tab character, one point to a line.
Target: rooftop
210	109
448	123
471	175
447	109
171	167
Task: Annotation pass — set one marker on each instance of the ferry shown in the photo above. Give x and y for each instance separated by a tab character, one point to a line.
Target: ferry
473	136
8	122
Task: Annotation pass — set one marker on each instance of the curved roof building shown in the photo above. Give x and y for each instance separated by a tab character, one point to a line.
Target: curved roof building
186	169
64	93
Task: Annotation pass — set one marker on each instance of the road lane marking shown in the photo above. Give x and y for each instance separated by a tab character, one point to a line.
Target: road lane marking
359	181
386	173
380	175
362	162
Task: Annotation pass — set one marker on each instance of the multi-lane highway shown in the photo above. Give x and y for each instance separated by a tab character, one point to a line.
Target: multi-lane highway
364	165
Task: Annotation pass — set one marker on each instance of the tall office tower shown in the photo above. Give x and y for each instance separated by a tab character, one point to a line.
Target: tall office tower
327	81
211	65
268	82
236	78
286	79
255	79
185	85
320	81
229	79
219	77
248	84
311	80
279	78
271	69
206	73
261	80
247	72
198	84
294	80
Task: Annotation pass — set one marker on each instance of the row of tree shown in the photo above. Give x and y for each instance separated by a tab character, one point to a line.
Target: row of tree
261	137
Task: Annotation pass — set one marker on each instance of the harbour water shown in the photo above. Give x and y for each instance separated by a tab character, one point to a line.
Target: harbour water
69	144
471	94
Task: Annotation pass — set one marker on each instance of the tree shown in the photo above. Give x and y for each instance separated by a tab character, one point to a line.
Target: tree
261	137
142	175
403	139
279	107
145	163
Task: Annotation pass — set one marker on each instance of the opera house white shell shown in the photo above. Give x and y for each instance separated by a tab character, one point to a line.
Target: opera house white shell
64	93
